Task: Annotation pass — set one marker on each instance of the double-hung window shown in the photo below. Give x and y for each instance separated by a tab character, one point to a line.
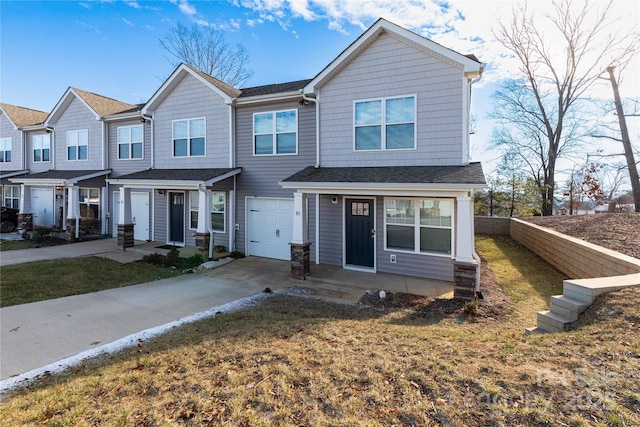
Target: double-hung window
77	144
189	137
275	133
11	196
216	210
130	142
89	199
419	225
385	124
5	150
41	148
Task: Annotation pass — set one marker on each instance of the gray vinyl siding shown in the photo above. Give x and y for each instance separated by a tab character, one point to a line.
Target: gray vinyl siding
261	174
8	131
78	117
432	267
123	167
390	68
189	100
331	219
35	167
159	218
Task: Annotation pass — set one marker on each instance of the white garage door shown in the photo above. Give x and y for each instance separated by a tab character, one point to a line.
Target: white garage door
139	214
269	228
42	206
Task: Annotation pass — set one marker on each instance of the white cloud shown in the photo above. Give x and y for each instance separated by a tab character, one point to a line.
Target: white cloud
186	8
85	5
132	3
126	21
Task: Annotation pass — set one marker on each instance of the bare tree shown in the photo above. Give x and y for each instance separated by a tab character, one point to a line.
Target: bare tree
556	72
206	49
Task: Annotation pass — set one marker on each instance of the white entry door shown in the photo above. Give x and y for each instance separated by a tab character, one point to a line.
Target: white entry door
42	206
139	214
270	227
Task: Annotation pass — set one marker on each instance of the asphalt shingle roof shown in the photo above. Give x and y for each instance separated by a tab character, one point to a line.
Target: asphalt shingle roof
178	174
468	174
21	116
274	88
102	105
229	90
63	174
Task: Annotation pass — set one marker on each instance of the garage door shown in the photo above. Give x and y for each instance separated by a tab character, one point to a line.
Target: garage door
42	206
269	228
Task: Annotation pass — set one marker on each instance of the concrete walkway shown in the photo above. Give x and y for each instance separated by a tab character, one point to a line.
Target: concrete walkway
73	250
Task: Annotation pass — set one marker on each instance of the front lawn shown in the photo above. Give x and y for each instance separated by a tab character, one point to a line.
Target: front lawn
295	361
42	280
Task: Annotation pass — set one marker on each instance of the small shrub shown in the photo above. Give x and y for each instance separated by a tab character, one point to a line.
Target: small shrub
471	307
41	234
155	259
192	262
173	257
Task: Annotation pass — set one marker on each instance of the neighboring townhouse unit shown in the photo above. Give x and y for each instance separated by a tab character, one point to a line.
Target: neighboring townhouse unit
14	150
66	187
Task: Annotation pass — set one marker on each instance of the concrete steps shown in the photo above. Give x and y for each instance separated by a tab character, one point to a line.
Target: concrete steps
577	296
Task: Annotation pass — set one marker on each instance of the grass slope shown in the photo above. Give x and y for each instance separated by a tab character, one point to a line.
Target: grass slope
305	362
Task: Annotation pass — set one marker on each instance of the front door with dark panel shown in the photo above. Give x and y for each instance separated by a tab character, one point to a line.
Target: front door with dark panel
360	231
176	217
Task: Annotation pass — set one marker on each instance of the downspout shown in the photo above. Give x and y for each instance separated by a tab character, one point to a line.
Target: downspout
105	161
473	251
203	188
151	142
315	100
232	132
471	82
24	150
52	145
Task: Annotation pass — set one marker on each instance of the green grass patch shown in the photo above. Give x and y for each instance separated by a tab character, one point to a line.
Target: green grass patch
306	362
14	245
42	280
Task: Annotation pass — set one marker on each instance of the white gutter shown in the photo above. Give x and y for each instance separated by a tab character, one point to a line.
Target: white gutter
315	100
52	145
280	96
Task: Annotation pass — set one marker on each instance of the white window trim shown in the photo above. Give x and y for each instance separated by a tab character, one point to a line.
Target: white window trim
383	124
274	134
417	226
173	139
130	143
78	145
4	143
10	197
224	212
45	138
191	209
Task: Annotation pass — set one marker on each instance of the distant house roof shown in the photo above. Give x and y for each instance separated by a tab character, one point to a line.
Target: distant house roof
21	116
274	88
468	174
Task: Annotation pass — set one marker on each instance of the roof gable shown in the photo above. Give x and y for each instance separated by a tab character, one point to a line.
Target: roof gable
228	93
99	105
21	116
466	63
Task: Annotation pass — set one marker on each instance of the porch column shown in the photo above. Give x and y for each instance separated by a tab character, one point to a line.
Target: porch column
464	266
25	216
203	237
73	214
300	265
125	223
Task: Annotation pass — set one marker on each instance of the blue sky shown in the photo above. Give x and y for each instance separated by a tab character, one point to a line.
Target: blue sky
111	47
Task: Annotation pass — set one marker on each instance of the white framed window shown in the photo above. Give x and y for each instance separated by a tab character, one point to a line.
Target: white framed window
5	150
189	137
194	203
41	148
218	219
77	144
11	196
89	199
275	133
385	124
130	144
423	226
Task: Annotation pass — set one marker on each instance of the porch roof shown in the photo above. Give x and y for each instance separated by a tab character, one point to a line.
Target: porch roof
59	177
175	178
5	175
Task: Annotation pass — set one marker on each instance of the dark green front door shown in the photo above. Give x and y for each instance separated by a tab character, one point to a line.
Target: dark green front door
176	218
360	231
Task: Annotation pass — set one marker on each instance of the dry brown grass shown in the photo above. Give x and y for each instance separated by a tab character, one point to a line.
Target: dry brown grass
295	362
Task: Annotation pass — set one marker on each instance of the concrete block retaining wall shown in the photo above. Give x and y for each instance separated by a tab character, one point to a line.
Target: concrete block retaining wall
492	225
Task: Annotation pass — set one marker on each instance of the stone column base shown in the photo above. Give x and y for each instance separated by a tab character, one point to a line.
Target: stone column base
464	280
202	241
300	264
70	232
125	236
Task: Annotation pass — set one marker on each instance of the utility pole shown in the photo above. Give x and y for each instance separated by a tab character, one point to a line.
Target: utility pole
626	142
